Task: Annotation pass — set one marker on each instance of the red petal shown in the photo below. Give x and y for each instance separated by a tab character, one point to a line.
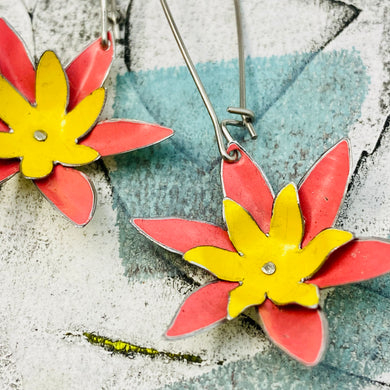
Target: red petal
245	183
113	137
323	188
205	307
3	127
8	168
357	261
299	331
15	64
88	71
71	192
180	235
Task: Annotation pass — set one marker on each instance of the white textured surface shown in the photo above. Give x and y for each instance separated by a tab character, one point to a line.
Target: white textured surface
56	278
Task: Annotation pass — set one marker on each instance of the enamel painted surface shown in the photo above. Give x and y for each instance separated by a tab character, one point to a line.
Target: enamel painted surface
202	309
83	81
315	78
274	265
297	330
281	249
114	137
15	64
45	131
71	192
319	205
244	182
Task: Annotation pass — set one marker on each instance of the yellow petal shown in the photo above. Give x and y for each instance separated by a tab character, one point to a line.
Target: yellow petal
74	154
9	146
244	233
318	249
223	264
242	297
51	85
303	294
287	222
15	110
35	167
79	121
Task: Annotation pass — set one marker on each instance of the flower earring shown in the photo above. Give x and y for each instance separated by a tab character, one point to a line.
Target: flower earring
277	251
48	120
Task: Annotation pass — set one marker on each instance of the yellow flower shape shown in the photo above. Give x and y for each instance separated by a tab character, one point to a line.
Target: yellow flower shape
273	265
45	133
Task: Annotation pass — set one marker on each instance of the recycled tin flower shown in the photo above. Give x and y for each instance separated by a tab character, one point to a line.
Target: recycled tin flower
48	122
275	254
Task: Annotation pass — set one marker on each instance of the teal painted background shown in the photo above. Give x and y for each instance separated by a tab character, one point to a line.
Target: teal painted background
303	103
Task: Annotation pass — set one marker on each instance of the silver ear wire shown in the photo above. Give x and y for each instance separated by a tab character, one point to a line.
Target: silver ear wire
247	116
107	17
220	128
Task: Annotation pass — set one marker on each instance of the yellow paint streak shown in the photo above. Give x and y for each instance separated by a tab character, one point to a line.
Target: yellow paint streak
129	349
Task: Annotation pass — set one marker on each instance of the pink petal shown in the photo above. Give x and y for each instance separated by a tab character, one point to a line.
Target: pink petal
15	64
357	261
71	192
180	235
88	71
298	331
245	183
323	189
113	137
8	168
205	307
3	127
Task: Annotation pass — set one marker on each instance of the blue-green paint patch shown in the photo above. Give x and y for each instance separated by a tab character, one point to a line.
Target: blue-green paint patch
304	103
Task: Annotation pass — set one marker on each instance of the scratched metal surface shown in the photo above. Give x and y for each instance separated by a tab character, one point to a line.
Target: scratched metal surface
317	71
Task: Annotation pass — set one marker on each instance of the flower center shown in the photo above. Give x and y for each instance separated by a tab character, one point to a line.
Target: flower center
269	268
40	135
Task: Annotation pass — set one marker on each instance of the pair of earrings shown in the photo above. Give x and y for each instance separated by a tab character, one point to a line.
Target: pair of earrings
276	253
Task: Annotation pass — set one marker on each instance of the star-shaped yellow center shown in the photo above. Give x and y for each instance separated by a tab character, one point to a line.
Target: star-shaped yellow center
273	265
45	133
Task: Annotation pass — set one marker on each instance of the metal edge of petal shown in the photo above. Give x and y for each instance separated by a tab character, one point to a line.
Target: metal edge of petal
8	177
20	39
200	330
316	306
113	120
63	70
95	122
206	269
94	199
368	238
56	162
229	317
307	278
307	174
254	163
33	178
299	207
111	40
324	340
25	49
132	221
224	219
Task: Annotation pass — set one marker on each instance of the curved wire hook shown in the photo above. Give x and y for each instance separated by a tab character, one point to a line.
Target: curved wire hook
106	19
220	128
